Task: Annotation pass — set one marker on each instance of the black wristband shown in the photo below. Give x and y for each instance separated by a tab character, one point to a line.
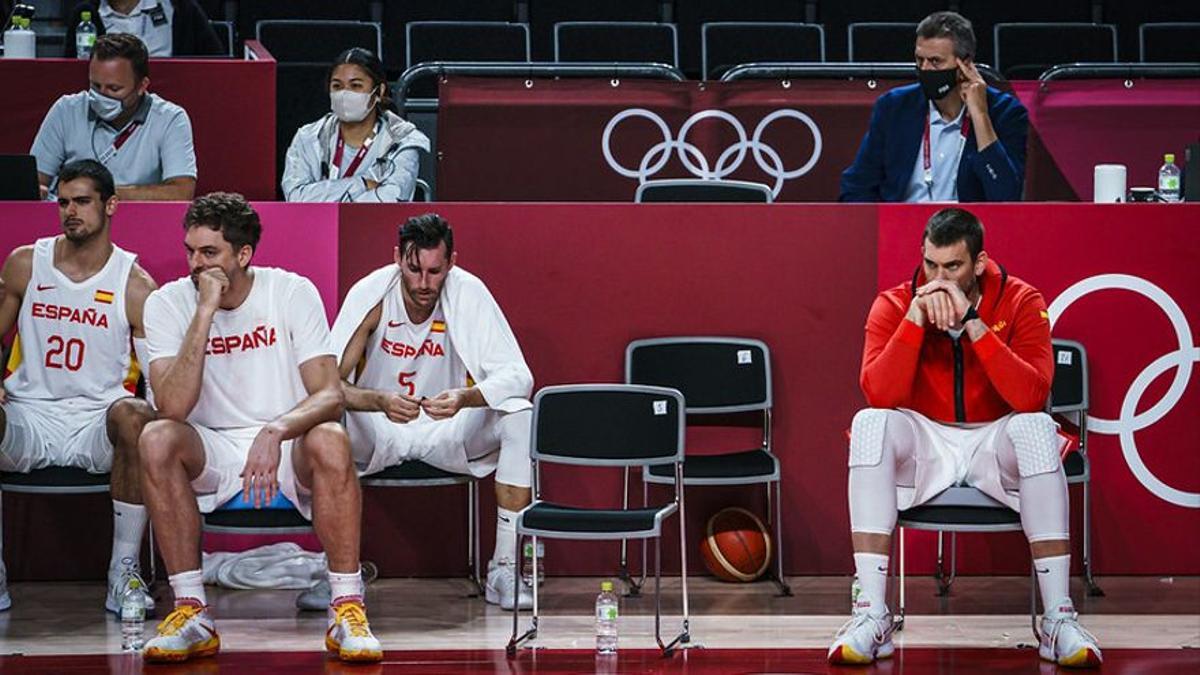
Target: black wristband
970	314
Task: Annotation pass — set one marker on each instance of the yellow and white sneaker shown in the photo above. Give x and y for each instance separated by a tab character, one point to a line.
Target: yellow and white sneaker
349	634
186	632
1065	642
865	637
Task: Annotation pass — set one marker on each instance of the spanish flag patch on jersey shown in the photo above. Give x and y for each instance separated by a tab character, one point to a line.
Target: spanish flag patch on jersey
105	297
438	327
1045	314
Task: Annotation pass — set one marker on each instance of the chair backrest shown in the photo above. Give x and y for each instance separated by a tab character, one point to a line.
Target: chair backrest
691	15
617	41
608	425
837	16
727	44
422	192
466	41
249	13
1169	42
317	41
1069	391
880	42
397	14
714	374
985	14
544	15
224	31
301	96
1025	50
700	190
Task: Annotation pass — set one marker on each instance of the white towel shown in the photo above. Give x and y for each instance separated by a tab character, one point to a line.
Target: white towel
283	566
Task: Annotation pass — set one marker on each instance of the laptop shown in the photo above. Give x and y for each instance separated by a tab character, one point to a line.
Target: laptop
18	178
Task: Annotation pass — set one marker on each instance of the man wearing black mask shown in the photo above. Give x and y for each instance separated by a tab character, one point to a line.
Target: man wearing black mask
950	137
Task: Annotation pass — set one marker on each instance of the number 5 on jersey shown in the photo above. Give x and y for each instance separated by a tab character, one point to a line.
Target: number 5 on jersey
406	383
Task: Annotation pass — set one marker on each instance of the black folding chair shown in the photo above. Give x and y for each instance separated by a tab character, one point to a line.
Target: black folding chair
1169	42
702	190
616	41
317	41
727	44
604	425
880	42
1026	50
718	376
1069	403
419	474
224	31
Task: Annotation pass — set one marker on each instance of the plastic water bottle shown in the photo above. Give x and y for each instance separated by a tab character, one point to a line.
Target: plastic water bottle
20	42
133	617
1168	179
530	561
855	591
85	36
606	619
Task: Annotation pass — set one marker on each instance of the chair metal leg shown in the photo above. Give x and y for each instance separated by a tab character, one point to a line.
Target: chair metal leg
645	500
531	632
777	516
632	588
944	579
899	620
153	563
473	573
1093	589
682	640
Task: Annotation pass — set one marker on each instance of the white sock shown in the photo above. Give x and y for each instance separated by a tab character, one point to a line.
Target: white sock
506	534
344	585
871	569
129	525
188	587
1054	579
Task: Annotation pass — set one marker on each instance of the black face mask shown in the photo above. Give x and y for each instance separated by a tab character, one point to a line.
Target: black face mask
937	83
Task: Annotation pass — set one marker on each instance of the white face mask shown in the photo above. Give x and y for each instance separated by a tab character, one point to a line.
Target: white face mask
106	108
350	106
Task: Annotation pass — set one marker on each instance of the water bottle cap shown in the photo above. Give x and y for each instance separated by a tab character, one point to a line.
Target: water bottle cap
86	16
606	586
134	583
1169	158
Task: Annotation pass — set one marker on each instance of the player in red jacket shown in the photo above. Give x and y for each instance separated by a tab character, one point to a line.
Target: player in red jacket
957	369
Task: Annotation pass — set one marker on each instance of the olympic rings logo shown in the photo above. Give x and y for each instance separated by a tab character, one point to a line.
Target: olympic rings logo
730	159
1181	360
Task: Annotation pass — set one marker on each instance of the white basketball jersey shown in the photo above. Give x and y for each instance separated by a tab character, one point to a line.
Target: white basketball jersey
74	336
254	352
413	359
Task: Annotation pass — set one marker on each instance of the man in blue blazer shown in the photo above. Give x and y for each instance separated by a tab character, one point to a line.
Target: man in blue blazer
950	137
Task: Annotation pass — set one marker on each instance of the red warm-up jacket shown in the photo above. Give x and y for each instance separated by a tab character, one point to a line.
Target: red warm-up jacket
921	368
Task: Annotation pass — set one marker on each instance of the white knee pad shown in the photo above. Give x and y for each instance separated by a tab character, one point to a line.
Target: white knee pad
514	467
866	436
1034	438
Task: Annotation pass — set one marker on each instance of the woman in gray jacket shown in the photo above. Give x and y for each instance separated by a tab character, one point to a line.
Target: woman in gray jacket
360	151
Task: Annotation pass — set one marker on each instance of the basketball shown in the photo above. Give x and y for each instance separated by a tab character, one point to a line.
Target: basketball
736	545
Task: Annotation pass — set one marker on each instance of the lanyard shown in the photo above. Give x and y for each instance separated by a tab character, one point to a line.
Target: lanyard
358	158
926	150
118	142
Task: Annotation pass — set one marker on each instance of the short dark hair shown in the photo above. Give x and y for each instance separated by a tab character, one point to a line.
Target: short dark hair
123	46
89	168
952	25
950	226
228	213
426	231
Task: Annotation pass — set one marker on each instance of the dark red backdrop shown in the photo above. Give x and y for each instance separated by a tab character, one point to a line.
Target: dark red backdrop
579	281
501	140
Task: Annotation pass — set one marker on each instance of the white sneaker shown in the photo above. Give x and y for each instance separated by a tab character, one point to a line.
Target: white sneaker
349	634
1064	641
118	583
865	637
501	587
186	632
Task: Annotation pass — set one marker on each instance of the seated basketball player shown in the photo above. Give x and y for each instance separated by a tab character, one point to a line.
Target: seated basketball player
76	300
248	398
432	372
957	369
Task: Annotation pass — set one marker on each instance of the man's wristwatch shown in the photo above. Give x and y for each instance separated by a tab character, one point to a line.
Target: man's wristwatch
970	314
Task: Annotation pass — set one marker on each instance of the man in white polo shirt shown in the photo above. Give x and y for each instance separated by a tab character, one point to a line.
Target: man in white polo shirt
144	140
